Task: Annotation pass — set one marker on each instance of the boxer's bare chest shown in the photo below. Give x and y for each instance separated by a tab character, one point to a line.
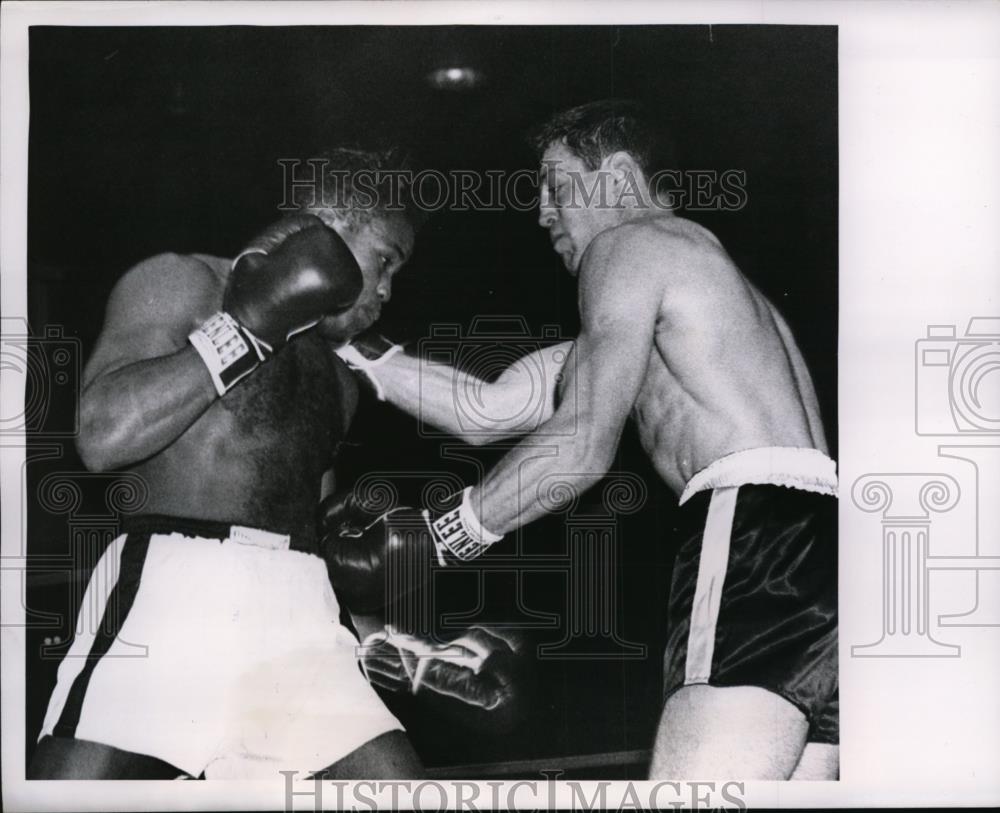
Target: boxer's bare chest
296	396
258	454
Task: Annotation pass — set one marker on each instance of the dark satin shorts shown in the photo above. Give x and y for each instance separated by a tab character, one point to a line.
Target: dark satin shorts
753	600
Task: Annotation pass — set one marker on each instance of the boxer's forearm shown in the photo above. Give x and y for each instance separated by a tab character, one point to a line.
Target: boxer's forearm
420	389
446	398
130	413
544	475
517	402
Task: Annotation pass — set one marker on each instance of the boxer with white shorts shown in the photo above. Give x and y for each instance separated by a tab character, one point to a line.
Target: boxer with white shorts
244	668
216	381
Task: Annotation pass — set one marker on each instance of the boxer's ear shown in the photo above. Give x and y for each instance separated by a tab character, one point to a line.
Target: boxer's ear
340	220
621	165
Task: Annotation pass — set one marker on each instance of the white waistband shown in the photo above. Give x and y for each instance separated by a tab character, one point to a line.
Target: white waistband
804	469
258	538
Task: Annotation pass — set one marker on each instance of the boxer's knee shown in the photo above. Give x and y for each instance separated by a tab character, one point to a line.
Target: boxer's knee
64	758
734	732
819	761
388	756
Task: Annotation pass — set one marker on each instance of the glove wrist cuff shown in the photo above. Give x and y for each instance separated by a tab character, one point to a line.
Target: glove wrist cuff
460	532
245	253
356	360
229	350
471	520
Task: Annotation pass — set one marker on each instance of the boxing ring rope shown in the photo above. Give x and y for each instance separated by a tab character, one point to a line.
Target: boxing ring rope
534	767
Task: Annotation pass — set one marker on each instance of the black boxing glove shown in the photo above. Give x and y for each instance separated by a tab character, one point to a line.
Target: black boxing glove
484	670
286	281
374	559
372	562
351	509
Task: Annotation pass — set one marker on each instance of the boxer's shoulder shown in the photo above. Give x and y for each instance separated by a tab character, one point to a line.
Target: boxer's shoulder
687	254
198	263
632	255
653	240
156	303
181	277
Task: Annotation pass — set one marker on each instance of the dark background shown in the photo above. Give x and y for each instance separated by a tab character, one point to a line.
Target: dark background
146	140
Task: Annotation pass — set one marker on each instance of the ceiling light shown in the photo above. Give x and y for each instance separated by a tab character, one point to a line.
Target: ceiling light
455	78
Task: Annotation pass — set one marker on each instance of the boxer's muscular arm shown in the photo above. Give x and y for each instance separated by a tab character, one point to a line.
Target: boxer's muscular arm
477	411
621	286
144	384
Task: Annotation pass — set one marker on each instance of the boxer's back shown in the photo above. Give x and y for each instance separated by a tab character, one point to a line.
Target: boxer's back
724	373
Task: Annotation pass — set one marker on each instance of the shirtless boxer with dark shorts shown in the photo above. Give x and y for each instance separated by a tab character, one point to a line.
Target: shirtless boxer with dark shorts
216	381
675	337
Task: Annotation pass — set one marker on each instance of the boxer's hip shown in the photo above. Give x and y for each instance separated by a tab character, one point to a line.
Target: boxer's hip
139	525
754	593
799	468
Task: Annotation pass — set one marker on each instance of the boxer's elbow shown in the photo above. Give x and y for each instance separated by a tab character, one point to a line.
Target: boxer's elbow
101	438
94	447
486	430
96	456
592	447
483	439
592	463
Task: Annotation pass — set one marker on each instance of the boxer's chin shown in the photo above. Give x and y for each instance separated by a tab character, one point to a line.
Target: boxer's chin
336	329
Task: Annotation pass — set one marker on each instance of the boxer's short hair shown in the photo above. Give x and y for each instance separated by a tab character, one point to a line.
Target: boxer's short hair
360	184
597	129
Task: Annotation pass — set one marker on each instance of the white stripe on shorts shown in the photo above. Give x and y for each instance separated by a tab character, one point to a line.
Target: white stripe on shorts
708	590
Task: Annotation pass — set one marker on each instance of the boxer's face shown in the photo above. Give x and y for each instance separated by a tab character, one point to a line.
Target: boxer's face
575	203
381	245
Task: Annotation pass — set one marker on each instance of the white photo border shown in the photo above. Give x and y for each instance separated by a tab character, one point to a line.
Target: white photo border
919	91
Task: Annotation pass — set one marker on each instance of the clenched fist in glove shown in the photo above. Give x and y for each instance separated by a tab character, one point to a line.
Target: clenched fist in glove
482	675
375	558
286	281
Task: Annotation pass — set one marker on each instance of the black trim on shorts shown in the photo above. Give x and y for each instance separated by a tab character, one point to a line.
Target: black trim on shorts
120	601
149	524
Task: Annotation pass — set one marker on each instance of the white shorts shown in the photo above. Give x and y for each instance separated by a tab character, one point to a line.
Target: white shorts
218	651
